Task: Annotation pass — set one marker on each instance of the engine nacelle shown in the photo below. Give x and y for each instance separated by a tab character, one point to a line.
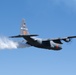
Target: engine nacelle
67	40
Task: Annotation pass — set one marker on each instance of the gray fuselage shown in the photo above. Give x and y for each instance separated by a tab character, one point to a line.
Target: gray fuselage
40	43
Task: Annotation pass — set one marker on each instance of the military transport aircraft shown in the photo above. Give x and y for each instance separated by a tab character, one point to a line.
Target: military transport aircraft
32	40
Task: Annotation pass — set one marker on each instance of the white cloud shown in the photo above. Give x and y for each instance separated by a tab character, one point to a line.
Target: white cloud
69	3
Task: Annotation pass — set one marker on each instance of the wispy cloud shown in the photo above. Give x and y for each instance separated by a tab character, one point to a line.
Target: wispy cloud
5	43
67	2
69	5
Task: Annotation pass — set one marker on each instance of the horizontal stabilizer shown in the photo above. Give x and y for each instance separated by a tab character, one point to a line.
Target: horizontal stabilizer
19	36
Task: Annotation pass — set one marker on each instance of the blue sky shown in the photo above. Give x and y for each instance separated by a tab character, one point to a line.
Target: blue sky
49	19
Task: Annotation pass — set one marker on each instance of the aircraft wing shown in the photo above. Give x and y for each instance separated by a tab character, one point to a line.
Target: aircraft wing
66	39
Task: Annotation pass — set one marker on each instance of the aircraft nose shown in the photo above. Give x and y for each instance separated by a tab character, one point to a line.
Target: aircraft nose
60	48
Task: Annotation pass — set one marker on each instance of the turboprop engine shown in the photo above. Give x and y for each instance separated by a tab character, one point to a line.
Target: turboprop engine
67	40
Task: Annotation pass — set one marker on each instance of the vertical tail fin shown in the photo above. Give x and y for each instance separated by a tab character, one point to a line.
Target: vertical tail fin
24	29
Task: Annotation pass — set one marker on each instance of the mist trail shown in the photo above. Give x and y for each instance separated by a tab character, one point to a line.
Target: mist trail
6	43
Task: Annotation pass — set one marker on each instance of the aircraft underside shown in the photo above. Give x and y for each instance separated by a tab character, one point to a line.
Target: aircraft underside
44	44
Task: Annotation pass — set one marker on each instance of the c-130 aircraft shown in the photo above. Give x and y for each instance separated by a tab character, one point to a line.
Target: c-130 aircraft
32	40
